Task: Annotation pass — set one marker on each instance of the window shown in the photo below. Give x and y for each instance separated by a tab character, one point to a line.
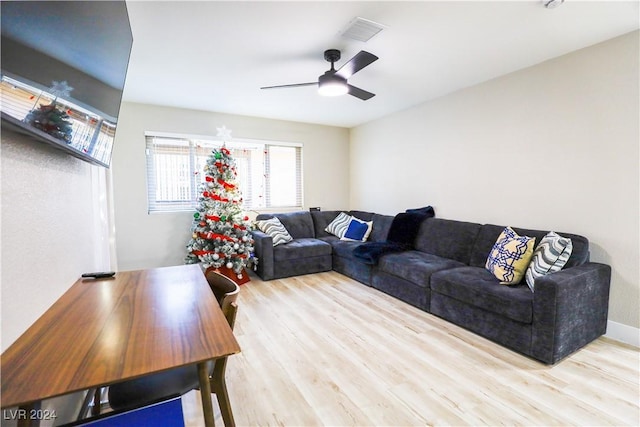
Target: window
269	173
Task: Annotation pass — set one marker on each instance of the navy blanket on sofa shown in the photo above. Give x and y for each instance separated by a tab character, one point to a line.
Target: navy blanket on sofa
402	234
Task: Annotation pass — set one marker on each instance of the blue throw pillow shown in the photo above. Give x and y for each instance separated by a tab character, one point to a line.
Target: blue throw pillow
358	230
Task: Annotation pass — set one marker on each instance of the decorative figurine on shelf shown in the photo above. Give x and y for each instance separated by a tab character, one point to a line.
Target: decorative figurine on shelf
221	239
51	119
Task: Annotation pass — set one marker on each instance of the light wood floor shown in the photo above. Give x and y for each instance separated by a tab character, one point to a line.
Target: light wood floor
324	350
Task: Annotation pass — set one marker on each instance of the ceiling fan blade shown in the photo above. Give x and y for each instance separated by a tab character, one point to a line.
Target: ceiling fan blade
293	85
360	93
357	63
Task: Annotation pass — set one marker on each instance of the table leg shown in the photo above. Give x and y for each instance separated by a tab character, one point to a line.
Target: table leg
97	400
26	418
205	394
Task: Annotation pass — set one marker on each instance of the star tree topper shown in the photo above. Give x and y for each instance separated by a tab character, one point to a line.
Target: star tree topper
224	133
60	89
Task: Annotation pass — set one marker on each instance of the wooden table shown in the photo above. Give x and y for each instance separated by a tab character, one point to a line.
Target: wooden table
109	330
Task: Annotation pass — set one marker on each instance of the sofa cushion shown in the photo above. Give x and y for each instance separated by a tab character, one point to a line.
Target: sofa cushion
301	248
299	224
274	228
551	254
363	215
329	239
320	221
380	229
510	256
448	238
490	232
415	266
344	248
478	287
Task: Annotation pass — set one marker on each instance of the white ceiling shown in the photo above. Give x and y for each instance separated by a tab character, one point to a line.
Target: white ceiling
215	55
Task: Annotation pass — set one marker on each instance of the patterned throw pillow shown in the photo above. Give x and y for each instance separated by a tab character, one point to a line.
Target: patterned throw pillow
510	256
358	230
550	256
339	225
274	228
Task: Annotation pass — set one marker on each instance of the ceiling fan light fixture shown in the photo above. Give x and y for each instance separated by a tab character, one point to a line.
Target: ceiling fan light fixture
334	82
332	85
333	89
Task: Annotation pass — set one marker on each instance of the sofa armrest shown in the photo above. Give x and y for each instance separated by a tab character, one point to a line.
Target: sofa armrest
570	309
263	250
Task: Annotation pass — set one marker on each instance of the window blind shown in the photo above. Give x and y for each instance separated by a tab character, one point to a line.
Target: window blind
284	177
169	184
269	174
18	100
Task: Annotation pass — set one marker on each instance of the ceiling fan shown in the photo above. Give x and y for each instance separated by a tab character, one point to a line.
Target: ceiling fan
334	82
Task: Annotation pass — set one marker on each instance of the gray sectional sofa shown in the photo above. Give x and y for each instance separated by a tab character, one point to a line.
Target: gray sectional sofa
444	273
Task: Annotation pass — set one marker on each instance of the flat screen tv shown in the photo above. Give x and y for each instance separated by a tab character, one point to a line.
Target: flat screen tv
63	71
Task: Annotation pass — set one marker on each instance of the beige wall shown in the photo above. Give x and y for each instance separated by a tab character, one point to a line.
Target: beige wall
144	240
53	228
554	146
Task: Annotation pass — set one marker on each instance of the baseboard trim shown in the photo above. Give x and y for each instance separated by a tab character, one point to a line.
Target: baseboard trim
623	333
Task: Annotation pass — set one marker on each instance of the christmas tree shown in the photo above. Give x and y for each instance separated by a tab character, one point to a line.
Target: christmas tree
221	237
49	118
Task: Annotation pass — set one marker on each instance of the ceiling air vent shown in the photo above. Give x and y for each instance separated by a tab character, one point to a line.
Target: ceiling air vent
362	29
